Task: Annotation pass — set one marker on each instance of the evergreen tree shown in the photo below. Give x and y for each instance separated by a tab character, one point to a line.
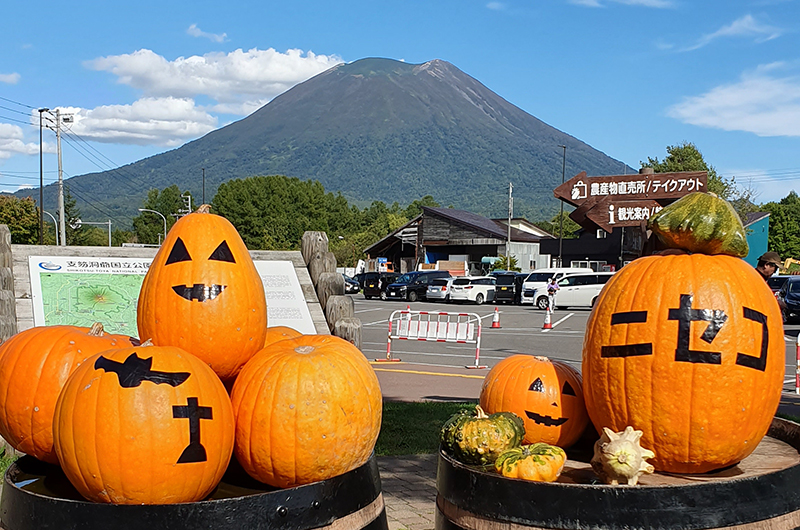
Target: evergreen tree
22	218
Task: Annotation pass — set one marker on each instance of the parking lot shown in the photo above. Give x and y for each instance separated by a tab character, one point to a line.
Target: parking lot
521	331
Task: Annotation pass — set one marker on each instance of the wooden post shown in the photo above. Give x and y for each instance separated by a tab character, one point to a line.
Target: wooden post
330	283
311	243
321	262
338	307
8	311
349	329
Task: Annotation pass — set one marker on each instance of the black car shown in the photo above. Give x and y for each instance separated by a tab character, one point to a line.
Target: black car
509	287
350	285
776	282
789	299
375	283
413	286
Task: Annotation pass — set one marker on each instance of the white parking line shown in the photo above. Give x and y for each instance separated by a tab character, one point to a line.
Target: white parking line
559	322
373	309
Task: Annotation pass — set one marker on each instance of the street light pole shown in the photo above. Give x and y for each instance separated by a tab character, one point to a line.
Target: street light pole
561	214
41	181
54	224
162	216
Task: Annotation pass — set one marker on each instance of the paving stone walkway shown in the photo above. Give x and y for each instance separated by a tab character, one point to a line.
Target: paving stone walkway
409	490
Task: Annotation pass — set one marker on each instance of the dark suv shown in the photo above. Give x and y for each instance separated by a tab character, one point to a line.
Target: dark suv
375	283
789	299
509	286
413	286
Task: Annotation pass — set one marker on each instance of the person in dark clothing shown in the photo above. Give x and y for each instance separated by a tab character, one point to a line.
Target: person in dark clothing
768	264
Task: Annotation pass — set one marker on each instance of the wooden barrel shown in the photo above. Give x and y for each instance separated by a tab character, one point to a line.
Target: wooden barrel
39	496
761	492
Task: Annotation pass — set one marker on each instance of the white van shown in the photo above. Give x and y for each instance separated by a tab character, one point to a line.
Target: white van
539	277
478	289
580	289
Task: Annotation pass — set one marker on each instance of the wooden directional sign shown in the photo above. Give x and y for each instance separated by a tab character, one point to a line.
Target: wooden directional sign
626	200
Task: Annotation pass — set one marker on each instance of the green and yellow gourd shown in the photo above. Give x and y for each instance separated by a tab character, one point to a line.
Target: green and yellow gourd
539	462
478	439
703	223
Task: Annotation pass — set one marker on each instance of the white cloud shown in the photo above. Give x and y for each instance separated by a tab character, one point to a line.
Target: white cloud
765	102
496	6
149	121
11	79
194	31
239	77
746	26
12	142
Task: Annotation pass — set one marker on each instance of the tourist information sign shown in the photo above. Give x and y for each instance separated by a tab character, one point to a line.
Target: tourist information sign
626	200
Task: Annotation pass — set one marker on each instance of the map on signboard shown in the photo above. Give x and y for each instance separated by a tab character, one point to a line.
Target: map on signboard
81	291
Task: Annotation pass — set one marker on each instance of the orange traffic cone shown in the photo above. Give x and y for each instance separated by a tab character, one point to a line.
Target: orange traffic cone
496	319
547	324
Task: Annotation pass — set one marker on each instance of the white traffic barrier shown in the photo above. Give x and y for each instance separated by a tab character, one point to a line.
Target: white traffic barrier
435	326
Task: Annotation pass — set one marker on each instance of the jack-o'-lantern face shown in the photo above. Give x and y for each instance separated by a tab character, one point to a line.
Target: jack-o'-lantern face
546	394
104	436
203	294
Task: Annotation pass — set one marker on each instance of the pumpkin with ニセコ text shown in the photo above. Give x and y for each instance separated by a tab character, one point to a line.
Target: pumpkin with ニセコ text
689	349
546	394
34	366
202	293
146	425
307	409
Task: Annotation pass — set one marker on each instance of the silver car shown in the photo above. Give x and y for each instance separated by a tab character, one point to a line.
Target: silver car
439	289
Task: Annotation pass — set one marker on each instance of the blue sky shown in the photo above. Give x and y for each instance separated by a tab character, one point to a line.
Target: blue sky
628	77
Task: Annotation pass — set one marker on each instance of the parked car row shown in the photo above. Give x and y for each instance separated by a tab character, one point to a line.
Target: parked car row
789	299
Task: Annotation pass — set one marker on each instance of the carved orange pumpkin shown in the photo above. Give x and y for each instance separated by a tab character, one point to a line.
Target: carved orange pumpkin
203	294
278	333
306	409
147	425
546	394
688	349
34	366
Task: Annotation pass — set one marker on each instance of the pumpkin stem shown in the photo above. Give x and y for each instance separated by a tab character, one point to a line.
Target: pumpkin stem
203	208
304	349
96	330
481	413
541	358
148	342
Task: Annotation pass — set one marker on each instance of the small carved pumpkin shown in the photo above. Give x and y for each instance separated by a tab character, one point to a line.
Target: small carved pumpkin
147	425
203	294
479	438
546	394
307	409
34	366
689	349
536	462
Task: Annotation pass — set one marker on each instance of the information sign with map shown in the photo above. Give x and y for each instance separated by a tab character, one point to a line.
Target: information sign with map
80	291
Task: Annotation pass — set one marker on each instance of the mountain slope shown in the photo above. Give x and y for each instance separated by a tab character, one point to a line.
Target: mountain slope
375	129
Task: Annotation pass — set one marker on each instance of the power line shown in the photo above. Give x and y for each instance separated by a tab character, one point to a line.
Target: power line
18	103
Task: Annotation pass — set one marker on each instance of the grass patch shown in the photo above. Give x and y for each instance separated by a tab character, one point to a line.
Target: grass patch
6	460
413	428
788	417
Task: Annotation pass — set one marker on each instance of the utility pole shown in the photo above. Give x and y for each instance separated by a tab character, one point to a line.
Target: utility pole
41	180
510	216
61	215
561	215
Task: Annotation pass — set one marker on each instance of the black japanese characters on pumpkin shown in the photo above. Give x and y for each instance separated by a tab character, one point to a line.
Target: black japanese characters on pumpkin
194	452
685	315
547	421
134	370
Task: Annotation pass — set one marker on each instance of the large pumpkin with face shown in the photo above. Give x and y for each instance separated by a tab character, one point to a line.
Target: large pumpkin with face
307	409
546	394
689	349
202	293
34	366
146	425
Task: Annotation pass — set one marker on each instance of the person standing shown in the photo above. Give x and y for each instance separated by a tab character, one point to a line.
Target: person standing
552	288
768	264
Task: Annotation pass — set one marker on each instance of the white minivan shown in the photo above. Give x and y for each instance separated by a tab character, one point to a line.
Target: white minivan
539	278
580	289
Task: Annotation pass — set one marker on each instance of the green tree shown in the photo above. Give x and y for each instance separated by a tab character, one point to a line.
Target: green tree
22	218
570	228
687	157
506	263
415	208
148	227
784	226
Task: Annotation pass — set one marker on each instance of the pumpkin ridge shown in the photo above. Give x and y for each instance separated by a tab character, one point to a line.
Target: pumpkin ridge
34	434
649	275
253	405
